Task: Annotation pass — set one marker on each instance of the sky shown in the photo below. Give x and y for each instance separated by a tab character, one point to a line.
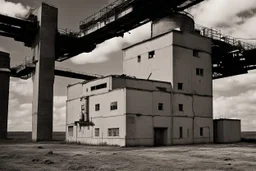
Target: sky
234	97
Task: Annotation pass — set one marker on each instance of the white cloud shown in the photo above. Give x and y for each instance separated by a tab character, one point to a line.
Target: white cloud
103	51
21	87
13	9
234	17
241	106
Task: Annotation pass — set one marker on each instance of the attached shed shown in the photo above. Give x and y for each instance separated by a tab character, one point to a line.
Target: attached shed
227	130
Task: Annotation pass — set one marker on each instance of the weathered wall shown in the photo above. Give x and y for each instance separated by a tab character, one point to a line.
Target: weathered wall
157	68
227	131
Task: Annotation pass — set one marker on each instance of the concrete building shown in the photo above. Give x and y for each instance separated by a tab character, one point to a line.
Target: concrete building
4	92
173	107
227	130
177	54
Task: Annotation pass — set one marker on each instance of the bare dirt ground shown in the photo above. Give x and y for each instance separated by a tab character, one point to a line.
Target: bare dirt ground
15	156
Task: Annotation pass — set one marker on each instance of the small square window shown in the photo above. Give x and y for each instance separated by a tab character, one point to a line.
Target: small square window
151	54
180	86
196	53
97	132
97	107
113	106
139	59
181	132
160	106
200	71
181	107
201	131
82	107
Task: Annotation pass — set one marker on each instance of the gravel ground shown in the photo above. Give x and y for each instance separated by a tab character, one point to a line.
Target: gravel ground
16	156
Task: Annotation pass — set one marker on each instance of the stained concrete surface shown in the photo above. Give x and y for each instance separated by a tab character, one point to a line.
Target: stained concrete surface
16	156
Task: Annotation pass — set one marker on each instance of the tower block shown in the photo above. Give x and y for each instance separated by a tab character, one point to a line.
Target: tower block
43	78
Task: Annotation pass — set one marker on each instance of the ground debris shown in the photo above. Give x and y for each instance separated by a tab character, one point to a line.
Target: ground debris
40	147
48	162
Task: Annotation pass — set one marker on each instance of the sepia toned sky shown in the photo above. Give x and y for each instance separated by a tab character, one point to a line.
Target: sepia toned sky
234	97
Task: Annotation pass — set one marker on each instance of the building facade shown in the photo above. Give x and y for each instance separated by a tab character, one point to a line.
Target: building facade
169	102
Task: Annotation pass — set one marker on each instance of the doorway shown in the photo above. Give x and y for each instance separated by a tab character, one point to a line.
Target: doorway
160	136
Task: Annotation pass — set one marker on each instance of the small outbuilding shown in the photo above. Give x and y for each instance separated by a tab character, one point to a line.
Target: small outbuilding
227	130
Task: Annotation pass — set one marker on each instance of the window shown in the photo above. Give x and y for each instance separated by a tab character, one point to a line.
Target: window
180	86
181	107
113	132
200	71
97	107
82	107
70	131
151	54
113	106
201	131
139	59
196	53
181	132
160	106
97	132
100	86
161	88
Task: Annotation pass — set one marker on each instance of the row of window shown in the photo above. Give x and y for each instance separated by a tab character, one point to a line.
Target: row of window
151	54
112	132
113	106
181	132
100	86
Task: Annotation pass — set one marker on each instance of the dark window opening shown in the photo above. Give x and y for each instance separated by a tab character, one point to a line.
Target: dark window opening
113	132
162	88
113	106
196	53
70	131
181	107
139	59
180	86
181	132
97	107
97	132
200	71
82	107
201	131
160	106
100	86
151	54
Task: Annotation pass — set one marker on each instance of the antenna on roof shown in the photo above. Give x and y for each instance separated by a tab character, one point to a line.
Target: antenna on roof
149	76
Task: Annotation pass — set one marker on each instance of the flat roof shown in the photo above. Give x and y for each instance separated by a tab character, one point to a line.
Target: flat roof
226	119
119	76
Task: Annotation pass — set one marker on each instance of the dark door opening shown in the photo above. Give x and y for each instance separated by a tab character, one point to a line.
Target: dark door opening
160	136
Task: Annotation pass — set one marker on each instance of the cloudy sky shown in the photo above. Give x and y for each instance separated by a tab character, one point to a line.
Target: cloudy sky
234	97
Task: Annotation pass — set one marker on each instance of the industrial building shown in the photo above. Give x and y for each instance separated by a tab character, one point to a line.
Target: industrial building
169	100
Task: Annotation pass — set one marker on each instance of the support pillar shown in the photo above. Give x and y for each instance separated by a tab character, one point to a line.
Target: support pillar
4	93
43	77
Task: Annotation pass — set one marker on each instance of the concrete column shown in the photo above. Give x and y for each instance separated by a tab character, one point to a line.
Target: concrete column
43	77
4	92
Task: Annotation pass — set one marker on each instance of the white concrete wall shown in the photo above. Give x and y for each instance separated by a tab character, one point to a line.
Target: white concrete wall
187	127
159	66
87	87
207	125
73	110
143	116
74	91
104	119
